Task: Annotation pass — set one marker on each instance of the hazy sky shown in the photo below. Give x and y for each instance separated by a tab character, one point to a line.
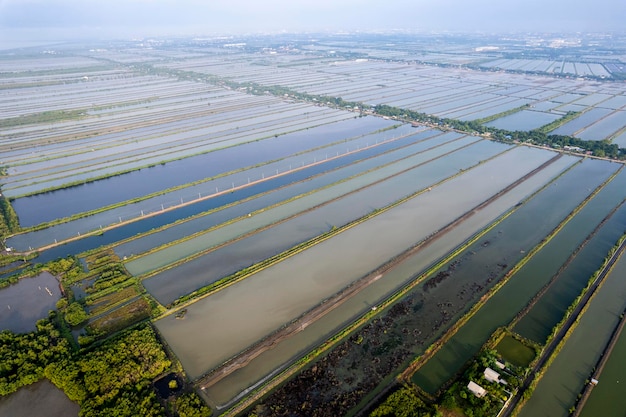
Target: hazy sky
106	18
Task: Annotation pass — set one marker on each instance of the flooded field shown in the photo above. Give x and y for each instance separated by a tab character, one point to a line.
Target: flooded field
218	198
384	183
524	120
27	301
135	184
247	251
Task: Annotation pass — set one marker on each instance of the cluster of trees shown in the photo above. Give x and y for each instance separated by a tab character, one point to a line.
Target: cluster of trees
68	268
116	378
75	314
24	357
113	380
405	403
601	148
458	396
8	219
190	405
110	275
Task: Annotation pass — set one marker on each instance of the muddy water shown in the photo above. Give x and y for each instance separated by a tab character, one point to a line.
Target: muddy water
280	355
220	326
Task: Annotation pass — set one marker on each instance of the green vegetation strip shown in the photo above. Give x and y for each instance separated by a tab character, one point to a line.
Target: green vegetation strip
80	72
43	117
560	122
503	114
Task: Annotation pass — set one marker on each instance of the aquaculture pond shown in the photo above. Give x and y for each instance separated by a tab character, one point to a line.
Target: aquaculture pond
515	352
261	201
39	399
166	287
282	353
561	383
538	323
48	236
545	214
29	300
607	399
335	205
251	309
135	184
524	120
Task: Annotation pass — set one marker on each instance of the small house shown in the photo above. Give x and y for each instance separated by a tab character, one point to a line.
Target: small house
476	389
493	376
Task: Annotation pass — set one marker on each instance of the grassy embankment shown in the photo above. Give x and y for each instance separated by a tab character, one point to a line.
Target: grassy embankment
42	117
9	222
570	115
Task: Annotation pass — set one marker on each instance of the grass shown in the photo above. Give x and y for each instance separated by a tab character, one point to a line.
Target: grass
104	303
122	317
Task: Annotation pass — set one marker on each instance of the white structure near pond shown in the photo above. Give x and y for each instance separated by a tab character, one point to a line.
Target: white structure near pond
493	376
476	389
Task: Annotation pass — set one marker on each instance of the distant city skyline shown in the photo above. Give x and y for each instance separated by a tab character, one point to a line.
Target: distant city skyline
72	19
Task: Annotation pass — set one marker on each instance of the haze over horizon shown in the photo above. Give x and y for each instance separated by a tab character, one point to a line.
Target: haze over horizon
74	19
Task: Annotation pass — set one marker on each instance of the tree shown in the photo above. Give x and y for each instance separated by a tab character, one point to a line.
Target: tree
190	405
75	314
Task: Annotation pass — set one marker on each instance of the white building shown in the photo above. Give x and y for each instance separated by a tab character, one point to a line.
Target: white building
476	389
